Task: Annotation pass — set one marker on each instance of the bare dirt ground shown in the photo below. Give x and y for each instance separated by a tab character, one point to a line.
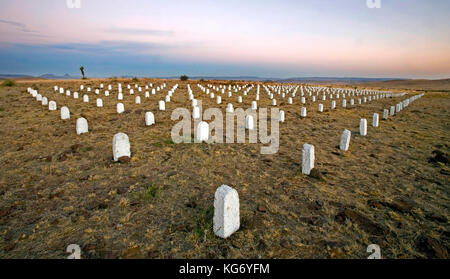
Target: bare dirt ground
57	188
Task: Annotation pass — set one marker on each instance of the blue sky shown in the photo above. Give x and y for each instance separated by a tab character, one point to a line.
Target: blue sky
228	38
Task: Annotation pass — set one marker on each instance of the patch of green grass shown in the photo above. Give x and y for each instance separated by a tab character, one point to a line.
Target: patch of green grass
163	141
169	141
9	83
2	109
157	144
148	193
203	223
86	149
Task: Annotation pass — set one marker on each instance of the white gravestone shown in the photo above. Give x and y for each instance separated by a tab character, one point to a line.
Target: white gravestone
249	123
121	146
226	219
52	105
120	108
363	127
65	113
320	107
303	112
82	126
162	105
375	120
307	158
196	113
99	103
385	114
149	118
202	131
345	140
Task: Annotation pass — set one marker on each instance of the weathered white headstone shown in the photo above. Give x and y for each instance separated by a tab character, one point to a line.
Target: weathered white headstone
202	131
281	115
320	107
120	108
162	105
303	112
86	98
226	219
345	140
230	108
385	114
99	103
254	105
121	146
138	100
333	104
65	113
120	96
363	127
307	158
392	111
375	120
82	126
52	105
249	123
149	118
196	113
44	101
75	95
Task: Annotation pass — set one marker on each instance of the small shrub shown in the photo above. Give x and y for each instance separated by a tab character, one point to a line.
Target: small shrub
135	79
148	193
9	83
203	223
184	78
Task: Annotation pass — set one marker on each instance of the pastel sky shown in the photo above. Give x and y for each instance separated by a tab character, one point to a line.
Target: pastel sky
267	38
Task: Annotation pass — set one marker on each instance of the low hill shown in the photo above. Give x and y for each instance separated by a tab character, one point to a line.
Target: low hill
416	84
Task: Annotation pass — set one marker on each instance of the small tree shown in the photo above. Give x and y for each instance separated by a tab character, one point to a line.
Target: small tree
184	78
82	72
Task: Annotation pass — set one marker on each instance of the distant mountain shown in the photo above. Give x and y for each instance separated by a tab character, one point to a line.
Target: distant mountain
52	76
13	76
45	76
322	80
293	79
345	80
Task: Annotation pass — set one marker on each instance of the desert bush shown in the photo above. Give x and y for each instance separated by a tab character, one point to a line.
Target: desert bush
9	83
135	79
184	78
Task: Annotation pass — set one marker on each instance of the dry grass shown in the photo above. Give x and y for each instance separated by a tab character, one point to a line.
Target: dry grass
58	188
